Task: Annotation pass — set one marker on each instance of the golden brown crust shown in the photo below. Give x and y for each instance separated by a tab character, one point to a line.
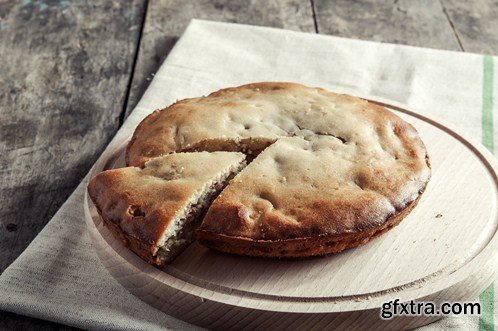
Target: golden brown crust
299	247
140	160
141	206
300	188
333	168
146	251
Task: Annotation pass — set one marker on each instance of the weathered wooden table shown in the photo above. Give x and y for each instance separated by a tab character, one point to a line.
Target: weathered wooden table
71	71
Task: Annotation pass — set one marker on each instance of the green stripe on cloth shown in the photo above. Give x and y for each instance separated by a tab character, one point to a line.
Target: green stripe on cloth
487	298
487	103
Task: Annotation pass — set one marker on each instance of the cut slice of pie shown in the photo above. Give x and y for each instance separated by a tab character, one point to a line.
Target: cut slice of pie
155	210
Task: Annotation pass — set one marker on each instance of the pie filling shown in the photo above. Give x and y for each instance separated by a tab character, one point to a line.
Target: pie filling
181	232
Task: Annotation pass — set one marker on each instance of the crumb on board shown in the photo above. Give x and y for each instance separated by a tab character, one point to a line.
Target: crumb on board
439	215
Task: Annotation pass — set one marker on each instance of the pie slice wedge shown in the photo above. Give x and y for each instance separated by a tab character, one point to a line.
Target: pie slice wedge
154	210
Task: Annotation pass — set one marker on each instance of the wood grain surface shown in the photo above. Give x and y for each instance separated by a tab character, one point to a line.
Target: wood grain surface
65	71
71	72
417	23
475	25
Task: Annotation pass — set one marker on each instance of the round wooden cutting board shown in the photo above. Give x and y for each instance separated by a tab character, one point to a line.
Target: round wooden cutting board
445	250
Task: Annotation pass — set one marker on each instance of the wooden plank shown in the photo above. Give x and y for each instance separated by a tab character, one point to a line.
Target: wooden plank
475	23
417	23
166	21
65	70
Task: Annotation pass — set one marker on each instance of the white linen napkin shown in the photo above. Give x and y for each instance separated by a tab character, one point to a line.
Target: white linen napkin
60	278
